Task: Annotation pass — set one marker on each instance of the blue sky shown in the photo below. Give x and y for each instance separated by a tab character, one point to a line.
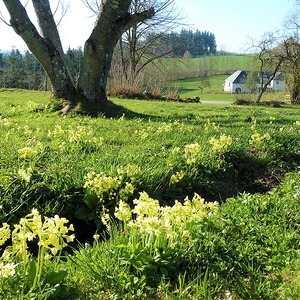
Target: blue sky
232	21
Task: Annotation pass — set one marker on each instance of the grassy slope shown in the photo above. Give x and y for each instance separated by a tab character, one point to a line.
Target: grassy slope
146	133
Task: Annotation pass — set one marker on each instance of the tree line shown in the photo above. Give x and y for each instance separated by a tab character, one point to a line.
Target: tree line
197	43
22	70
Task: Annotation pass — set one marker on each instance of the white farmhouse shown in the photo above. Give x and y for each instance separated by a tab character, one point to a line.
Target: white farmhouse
237	82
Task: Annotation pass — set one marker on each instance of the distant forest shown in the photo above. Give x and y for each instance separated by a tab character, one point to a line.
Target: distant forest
197	43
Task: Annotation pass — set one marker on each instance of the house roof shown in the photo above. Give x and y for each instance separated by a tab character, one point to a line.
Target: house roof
241	76
237	77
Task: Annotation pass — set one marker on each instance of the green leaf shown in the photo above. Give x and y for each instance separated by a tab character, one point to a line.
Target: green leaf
31	272
55	277
82	213
91	199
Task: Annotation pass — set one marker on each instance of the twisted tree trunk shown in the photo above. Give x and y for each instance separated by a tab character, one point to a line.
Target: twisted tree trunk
90	90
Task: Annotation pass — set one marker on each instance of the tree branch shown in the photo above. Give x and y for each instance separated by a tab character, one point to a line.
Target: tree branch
139	17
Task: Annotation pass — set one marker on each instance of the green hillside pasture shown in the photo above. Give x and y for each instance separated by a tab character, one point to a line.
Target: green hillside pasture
190	87
222	64
179	68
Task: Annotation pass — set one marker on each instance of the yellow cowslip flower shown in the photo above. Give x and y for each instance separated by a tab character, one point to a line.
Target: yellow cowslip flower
146	206
175	150
210	125
52	235
164	128
33	222
26	130
257	139
130	170
25	174
272	119
123	212
127	191
19	246
122	118
27	152
100	183
150	224
4	233
178	176
171	223
193	152
7	270
4	121
105	219
79	134
297	123
144	135
222	144
58	131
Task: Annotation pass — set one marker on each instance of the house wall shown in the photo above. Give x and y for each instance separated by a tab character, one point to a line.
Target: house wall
277	85
228	86
231	87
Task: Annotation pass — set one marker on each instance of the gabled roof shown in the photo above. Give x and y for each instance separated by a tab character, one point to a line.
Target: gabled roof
241	76
237	77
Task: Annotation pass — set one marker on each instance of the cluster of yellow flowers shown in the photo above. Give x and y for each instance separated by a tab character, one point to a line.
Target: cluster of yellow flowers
164	128
258	139
4	121
101	184
192	153
222	144
25	174
143	134
175	178
210	126
74	135
52	235
170	222
130	170
30	151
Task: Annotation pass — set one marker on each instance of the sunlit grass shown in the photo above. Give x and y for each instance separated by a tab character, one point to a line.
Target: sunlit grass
90	170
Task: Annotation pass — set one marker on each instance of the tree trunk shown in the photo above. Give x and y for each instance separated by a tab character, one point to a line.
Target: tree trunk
113	19
43	49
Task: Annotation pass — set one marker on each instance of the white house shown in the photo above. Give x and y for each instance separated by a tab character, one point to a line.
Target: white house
237	82
278	83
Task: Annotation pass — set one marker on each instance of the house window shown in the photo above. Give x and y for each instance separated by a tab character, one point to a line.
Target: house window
229	84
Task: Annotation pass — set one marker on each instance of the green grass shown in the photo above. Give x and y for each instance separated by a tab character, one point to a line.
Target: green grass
210	64
190	88
235	155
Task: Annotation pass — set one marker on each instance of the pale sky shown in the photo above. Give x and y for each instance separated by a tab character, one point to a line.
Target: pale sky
232	21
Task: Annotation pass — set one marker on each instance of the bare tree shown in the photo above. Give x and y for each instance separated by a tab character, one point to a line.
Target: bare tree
289	51
142	43
270	60
113	19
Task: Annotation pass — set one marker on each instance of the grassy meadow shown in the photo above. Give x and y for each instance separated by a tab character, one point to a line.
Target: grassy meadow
158	200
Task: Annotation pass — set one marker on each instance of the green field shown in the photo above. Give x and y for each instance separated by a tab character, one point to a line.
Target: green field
187	200
190	88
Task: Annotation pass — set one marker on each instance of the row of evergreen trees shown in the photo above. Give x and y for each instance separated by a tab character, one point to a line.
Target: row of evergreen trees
197	43
22	70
